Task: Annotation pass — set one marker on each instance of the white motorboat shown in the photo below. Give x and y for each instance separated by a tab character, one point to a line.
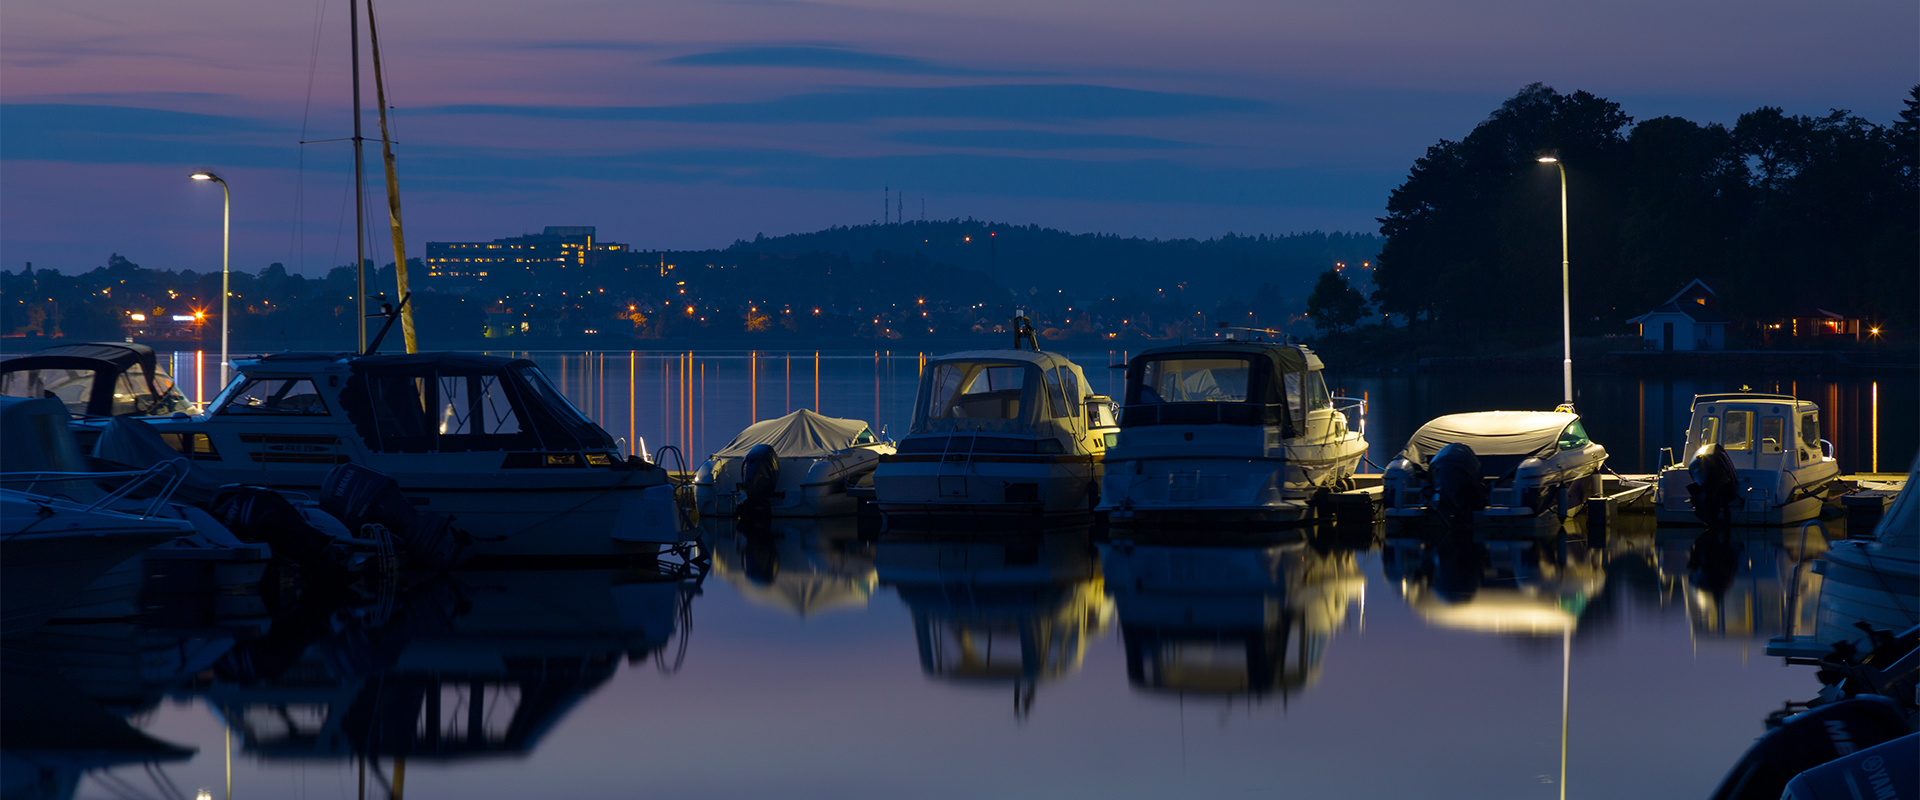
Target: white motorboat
1494	465
1785	470
51	549
813	458
484	439
998	432
1242	431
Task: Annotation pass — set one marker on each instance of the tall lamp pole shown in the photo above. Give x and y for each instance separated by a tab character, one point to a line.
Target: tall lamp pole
226	240
1566	308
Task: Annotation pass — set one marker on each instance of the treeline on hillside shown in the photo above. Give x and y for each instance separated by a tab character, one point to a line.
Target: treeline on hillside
1777	213
1030	259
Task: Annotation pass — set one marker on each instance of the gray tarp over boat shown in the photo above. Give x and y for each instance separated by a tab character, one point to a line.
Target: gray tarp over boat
1491	433
801	434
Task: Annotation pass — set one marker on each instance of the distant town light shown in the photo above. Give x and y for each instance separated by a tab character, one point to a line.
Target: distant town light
143	318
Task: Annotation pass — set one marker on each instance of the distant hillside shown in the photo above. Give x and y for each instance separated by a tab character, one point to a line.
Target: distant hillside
1027	258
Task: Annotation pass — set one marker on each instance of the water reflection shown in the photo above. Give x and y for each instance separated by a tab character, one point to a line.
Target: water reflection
805	566
1012	611
1230	620
1526	586
1748	584
474	664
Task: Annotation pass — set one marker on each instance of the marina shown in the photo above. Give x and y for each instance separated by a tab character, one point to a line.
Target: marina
1192	657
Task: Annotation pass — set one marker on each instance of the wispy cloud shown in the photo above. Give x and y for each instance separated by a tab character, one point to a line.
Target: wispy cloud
836	58
1052	102
1033	140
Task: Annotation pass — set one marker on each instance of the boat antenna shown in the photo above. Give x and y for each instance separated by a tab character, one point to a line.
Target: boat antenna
359	201
1023	332
393	186
388	311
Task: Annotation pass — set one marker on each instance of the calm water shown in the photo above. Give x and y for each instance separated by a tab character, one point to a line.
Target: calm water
814	661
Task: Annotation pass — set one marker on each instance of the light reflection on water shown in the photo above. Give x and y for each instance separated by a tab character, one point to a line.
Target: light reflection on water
818	659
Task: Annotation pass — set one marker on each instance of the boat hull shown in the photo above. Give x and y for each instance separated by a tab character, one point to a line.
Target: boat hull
42	573
1756	507
919	487
1186	490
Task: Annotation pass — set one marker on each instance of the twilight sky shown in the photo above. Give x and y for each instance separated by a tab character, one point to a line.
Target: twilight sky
689	123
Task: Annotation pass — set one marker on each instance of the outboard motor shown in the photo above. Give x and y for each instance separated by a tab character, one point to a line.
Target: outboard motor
1458	488
258	514
1809	740
1715	487
759	474
359	496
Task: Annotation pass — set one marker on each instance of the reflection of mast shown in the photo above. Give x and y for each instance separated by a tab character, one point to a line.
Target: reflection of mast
393	185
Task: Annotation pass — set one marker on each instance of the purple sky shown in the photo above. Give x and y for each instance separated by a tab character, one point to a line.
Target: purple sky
689	124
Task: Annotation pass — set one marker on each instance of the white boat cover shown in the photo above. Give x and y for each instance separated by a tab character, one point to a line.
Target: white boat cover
801	434
1490	433
1899	530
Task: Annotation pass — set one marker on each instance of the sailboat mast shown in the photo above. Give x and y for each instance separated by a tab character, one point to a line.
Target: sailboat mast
359	202
393	184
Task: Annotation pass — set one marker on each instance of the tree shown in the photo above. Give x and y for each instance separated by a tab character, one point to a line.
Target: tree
1334	305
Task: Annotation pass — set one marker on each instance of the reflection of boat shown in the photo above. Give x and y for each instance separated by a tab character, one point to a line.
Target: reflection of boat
1785	470
1238	430
1525	587
1494	464
996	610
814	459
485	663
1000	432
801	565
1229	620
1874	580
99	379
1747	582
55	735
483	438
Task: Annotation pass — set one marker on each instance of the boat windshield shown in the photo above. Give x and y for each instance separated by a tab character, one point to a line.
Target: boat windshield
72	387
971	390
555	402
1574	436
1194	380
282	396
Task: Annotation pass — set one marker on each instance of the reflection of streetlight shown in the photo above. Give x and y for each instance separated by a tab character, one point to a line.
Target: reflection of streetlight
1566	313
226	238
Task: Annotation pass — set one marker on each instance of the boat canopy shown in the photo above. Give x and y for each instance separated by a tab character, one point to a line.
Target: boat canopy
1001	391
450	402
1240	383
1497	433
801	434
100	379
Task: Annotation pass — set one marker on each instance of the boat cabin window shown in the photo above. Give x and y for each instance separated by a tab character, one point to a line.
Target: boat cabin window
555	402
1065	391
1574	436
976	391
474	405
1773	434
72	387
1194	380
1736	433
1709	432
275	396
1810	431
1307	391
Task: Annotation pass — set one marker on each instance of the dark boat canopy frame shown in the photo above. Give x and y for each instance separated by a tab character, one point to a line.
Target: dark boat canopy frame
108	361
383	397
1267	401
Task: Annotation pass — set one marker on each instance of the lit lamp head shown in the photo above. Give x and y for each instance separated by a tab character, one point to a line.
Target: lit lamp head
1548	159
207	176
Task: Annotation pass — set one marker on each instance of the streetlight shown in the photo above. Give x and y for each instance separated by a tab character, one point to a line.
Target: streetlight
1566	312
226	240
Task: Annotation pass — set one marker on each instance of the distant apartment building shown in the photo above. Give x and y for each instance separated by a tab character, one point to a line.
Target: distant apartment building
461	265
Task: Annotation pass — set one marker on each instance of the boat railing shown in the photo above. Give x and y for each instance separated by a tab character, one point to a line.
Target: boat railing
172	473
1347	406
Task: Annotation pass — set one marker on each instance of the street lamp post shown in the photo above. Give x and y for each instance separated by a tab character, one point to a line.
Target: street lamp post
1566	309
226	240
